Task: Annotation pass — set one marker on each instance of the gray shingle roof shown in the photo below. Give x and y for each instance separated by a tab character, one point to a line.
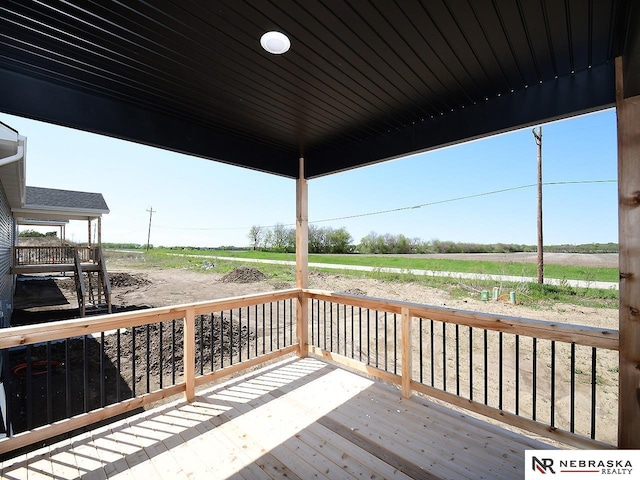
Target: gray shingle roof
54	198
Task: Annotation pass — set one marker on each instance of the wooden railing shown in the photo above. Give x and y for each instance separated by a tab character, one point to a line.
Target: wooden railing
471	360
113	364
63	255
556	380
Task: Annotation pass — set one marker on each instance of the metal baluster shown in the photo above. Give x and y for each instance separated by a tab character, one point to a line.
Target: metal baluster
433	376
85	368
148	361
231	337
534	371
572	414
500	370
133	362
118	366
352	335
201	342
173	352
28	399
517	374
486	370
593	393
457	360
49	386
240	335
386	345
102	366
470	363
160	359
553	383
444	356
421	351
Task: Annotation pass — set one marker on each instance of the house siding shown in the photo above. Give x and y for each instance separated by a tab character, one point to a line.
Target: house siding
6	252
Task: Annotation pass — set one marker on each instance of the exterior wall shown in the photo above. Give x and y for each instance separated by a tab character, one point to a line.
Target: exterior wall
7	232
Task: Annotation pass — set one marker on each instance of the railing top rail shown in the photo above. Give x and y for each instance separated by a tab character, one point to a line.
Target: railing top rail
581	335
30	334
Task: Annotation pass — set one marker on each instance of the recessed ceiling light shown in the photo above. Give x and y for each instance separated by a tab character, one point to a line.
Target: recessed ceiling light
275	42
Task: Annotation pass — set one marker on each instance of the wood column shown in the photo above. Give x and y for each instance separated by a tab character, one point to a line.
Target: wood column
628	115
89	232
302	261
189	358
100	232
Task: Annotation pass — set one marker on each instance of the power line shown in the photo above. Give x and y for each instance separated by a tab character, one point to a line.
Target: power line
456	199
399	209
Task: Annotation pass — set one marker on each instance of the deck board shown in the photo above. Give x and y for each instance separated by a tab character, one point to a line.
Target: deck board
300	418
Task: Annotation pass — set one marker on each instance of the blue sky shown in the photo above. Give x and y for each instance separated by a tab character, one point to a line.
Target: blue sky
203	203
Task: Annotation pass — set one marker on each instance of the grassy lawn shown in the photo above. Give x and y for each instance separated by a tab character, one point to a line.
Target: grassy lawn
528	294
591	274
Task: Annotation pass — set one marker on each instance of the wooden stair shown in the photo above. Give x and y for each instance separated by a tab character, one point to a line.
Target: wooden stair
92	283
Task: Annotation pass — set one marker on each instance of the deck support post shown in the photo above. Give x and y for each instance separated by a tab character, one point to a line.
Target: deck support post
89	232
189	355
406	353
100	231
302	261
628	116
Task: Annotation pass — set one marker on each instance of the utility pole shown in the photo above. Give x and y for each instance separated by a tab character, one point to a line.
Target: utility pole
538	138
151	212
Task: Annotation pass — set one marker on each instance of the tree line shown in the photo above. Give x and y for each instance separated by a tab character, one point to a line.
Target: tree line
331	240
283	239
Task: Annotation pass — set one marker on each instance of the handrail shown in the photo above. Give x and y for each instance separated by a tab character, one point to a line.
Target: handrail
31	334
581	335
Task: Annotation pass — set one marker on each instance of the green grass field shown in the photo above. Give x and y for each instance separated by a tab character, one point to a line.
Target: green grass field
590	274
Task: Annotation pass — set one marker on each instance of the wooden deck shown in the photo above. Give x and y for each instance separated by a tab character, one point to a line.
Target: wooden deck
300	418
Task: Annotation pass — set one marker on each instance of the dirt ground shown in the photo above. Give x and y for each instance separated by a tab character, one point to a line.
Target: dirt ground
171	287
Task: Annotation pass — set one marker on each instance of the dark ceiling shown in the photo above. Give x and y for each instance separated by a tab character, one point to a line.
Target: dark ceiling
364	81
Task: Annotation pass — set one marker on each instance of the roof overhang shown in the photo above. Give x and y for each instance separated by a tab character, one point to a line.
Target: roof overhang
363	81
42	222
50	204
24	215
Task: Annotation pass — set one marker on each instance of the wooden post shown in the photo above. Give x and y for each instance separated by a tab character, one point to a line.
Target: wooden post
628	114
406	353
100	231
189	360
302	261
89	232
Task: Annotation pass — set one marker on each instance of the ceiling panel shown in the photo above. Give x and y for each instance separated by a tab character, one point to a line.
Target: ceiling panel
363	82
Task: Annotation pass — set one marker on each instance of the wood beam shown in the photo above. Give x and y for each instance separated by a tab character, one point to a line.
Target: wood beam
628	116
302	260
